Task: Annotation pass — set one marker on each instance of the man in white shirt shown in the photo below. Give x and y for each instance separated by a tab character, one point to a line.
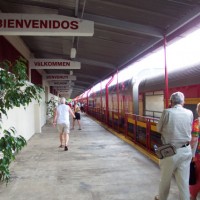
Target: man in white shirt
61	118
175	126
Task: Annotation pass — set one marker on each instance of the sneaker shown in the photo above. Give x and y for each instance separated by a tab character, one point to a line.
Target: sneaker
79	129
61	146
156	197
66	148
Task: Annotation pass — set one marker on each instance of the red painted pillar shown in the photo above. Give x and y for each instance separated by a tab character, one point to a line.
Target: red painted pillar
101	106
166	75
88	99
118	100
107	106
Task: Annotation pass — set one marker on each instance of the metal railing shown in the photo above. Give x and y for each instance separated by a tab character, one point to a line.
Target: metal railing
139	129
142	131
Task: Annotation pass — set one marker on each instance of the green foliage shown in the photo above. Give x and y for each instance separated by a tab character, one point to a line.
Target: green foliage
9	145
51	105
15	91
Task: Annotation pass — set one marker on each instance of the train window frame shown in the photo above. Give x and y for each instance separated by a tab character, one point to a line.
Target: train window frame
153	104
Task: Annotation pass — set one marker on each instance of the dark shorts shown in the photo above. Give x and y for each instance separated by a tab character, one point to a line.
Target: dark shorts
78	116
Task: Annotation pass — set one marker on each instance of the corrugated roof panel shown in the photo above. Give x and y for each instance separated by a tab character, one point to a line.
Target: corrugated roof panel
181	77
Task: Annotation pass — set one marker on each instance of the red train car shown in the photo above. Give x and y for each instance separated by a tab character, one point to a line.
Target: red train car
134	112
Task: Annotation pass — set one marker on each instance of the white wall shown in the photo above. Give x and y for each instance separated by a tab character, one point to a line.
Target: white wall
26	121
42	109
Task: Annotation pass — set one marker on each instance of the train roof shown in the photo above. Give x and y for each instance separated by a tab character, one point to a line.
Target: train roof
182	77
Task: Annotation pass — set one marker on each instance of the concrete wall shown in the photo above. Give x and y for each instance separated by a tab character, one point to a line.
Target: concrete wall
26	121
30	120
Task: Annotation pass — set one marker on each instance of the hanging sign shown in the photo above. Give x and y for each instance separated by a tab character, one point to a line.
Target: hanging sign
53	64
50	77
44	25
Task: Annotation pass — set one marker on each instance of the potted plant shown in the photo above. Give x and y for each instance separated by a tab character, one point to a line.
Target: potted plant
15	91
51	105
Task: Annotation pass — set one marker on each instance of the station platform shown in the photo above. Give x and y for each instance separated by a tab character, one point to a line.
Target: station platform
98	166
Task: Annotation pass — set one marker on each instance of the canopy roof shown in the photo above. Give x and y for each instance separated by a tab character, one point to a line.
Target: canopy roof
124	30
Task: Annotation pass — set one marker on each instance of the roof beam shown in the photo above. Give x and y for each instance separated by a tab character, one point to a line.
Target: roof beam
134	9
194	14
86	76
184	2
95	63
83	82
123	25
78	89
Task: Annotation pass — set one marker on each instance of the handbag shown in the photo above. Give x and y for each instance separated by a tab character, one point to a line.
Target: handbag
165	150
192	180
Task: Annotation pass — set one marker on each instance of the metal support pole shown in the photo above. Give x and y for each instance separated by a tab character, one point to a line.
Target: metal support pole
166	75
88	99
118	100
101	111
107	93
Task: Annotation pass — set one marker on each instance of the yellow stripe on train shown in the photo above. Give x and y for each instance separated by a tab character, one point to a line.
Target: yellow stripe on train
142	124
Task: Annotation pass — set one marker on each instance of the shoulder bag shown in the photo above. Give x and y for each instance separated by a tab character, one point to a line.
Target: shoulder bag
165	150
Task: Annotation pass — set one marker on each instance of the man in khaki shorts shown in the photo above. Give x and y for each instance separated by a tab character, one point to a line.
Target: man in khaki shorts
61	118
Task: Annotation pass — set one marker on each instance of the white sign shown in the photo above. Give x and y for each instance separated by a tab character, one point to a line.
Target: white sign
50	77
53	64
44	25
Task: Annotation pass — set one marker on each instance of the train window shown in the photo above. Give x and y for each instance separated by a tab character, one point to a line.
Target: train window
154	104
192	107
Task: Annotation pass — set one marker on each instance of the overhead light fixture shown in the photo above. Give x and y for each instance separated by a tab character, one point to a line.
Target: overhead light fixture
73	53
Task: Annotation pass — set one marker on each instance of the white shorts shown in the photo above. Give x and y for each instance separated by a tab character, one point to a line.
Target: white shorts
63	128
